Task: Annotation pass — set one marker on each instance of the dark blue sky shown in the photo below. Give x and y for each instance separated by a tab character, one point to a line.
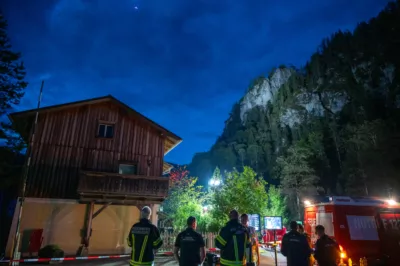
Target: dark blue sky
182	63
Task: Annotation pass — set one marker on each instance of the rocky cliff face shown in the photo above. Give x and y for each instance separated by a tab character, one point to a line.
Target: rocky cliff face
263	92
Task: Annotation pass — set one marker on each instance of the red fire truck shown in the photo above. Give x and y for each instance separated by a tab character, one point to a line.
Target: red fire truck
363	227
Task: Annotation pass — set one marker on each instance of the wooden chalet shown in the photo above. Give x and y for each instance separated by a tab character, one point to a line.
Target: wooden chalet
90	157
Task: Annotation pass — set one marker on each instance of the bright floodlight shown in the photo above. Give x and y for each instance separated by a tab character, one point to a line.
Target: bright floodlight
307	202
214	182
391	202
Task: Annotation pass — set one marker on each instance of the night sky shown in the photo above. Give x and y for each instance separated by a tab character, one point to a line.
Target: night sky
182	63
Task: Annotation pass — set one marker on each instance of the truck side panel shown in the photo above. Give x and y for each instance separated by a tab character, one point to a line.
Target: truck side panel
390	235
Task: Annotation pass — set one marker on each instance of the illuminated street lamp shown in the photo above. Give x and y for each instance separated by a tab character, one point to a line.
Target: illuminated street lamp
307	203
214	182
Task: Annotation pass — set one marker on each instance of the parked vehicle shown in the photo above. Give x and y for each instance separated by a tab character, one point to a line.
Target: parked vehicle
363	227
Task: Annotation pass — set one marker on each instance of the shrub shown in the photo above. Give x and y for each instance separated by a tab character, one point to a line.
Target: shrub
51	251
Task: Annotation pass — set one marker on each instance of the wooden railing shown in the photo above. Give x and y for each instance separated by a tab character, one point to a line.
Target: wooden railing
127	187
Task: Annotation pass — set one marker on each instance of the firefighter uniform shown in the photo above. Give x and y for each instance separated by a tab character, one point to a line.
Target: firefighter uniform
326	251
144	237
232	240
296	249
253	252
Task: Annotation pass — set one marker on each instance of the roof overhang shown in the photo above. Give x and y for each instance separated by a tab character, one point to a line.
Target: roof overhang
167	168
171	140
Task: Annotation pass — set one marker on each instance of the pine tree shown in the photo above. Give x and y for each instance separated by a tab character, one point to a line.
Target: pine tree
297	177
12	72
12	85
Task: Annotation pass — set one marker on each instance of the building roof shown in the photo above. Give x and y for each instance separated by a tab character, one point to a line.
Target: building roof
172	139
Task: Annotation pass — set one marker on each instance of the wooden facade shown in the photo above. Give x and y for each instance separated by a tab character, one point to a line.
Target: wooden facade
71	160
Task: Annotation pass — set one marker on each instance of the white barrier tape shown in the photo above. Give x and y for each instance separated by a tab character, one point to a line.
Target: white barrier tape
68	258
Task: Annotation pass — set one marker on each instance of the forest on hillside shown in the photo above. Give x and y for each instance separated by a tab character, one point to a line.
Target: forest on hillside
332	127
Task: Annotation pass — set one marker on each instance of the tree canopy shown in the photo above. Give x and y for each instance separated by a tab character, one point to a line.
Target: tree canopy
241	191
12	72
12	87
185	199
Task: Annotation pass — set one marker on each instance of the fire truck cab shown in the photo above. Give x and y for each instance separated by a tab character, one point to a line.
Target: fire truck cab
363	227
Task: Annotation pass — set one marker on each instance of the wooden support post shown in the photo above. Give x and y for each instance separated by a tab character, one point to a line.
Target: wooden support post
84	249
89	224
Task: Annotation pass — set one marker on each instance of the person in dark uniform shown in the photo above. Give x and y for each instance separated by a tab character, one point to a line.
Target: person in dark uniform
144	238
191	244
232	240
295	247
326	249
301	231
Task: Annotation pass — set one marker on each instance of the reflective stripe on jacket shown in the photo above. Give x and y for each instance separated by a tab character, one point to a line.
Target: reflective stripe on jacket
144	237
232	240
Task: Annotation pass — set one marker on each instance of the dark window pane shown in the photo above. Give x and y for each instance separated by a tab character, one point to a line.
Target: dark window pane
127	169
101	130
109	131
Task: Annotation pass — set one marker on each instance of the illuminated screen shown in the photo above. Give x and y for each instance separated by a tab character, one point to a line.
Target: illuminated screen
273	222
254	221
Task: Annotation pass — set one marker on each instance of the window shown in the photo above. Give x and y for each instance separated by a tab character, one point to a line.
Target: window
362	227
127	169
105	131
326	220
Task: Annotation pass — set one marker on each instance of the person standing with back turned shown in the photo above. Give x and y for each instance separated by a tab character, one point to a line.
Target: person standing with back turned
311	259
191	244
295	247
232	240
144	238
326	249
252	252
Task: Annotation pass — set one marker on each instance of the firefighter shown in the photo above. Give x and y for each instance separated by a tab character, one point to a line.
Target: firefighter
144	238
295	247
301	231
252	252
232	240
326	249
191	244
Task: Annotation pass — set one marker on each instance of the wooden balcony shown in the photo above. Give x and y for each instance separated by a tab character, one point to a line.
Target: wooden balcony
122	189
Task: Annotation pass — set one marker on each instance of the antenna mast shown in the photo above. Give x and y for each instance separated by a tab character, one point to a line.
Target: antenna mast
16	240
